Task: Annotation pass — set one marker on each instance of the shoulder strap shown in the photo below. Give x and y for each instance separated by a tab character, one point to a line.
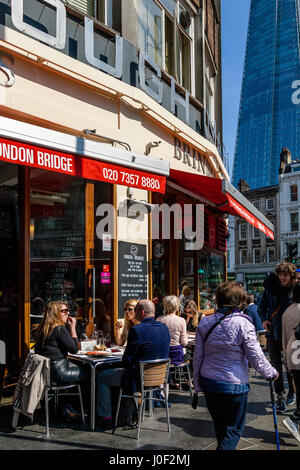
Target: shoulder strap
213	327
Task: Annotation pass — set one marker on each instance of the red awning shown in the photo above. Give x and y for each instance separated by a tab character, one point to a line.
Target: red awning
223	196
75	165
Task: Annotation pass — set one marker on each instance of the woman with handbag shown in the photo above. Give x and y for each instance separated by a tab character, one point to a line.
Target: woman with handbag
225	342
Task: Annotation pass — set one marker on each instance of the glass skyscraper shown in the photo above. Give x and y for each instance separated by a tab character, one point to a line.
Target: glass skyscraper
268	119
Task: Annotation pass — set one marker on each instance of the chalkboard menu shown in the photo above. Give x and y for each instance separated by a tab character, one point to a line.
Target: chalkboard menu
133	271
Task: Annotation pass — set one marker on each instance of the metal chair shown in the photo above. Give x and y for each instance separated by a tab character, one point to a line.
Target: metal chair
153	374
180	371
54	391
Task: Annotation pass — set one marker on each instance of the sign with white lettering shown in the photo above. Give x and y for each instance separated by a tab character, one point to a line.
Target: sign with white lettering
53	160
133	273
50	23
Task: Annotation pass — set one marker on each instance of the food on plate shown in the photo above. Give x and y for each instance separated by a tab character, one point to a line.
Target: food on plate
97	353
99	347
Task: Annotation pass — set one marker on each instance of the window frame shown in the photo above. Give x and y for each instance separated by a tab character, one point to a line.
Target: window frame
177	28
268	208
293	193
291	222
241	255
254	250
243	225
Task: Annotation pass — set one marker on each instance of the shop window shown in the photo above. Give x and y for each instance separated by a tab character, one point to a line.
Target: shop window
294	192
294	222
9	262
165	34
64	249
211	273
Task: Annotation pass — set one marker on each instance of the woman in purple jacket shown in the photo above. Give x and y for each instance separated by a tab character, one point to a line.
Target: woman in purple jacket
226	343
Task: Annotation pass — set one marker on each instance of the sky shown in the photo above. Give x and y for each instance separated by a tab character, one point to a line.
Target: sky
235	14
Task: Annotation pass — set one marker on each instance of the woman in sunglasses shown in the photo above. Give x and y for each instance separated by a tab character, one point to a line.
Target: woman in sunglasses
130	321
191	316
55	342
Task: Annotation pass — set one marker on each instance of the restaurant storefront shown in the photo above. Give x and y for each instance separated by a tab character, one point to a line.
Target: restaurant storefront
80	136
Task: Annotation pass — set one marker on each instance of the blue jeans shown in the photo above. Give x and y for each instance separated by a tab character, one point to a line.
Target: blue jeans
105	380
228	412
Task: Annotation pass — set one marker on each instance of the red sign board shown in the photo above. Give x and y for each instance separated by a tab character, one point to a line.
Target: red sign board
53	160
250	217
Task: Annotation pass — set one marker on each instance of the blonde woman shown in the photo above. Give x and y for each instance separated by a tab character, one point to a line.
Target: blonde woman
191	316
55	342
130	321
177	328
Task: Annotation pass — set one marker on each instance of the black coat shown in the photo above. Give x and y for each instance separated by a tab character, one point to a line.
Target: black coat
273	296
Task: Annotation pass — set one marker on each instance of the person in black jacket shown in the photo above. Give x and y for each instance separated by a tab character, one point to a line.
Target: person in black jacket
55	342
277	296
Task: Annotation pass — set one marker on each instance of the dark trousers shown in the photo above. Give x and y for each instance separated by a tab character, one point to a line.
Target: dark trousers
275	352
228	412
296	376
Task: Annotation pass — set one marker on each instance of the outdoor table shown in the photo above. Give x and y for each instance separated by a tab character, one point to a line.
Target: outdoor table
96	362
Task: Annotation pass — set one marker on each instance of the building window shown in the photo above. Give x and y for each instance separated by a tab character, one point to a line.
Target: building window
228	259
243	231
256	255
165	34
243	256
270	204
255	232
294	222
294	192
256	204
271	254
106	11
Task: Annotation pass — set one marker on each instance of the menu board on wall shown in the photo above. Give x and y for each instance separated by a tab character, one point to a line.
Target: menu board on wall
133	271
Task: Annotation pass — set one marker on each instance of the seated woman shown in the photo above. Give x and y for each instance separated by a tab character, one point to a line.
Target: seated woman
130	321
54	341
191	316
177	329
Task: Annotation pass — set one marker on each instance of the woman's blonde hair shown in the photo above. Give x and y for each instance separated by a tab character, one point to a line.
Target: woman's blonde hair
186	291
193	306
128	323
51	319
171	304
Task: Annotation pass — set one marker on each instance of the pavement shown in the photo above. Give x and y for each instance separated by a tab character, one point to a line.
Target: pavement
191	430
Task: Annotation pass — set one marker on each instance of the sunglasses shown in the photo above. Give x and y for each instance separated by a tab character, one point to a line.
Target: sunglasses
188	311
64	310
131	309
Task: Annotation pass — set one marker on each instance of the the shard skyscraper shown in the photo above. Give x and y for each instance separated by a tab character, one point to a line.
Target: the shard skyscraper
269	115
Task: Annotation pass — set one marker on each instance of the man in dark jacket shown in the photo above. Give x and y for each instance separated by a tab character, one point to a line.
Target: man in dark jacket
275	300
148	340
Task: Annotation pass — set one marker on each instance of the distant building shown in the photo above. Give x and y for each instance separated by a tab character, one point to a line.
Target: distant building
256	254
289	183
269	115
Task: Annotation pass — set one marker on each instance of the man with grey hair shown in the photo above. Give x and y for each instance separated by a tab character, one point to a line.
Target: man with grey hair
146	341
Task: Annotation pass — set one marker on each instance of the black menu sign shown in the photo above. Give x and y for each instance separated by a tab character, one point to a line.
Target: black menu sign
133	271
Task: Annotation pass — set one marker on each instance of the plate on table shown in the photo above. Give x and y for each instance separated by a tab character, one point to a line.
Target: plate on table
98	353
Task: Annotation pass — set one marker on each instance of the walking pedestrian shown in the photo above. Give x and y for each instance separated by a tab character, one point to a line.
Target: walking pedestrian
252	311
225	342
276	298
290	321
